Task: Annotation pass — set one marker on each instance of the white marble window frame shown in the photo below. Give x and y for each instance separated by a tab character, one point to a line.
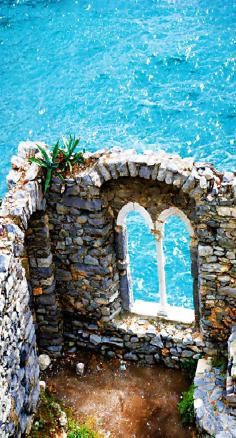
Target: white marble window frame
134	206
162	309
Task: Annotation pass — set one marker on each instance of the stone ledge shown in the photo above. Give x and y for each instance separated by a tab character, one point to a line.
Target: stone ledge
174	313
213	415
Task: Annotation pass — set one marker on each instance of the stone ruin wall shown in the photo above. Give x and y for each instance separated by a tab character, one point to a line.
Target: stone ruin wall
19	371
89	275
65	252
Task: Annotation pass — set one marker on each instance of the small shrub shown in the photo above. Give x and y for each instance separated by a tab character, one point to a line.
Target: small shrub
49	162
46	418
189	366
59	160
186	408
46	421
39	424
67	156
83	431
219	362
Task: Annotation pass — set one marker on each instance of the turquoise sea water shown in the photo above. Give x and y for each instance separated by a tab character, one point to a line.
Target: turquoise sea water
144	262
134	73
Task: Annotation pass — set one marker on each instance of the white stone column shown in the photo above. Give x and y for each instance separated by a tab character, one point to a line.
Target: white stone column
161	269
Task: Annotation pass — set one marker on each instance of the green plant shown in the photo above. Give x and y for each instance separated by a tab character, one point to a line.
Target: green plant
49	161
46	418
59	160
189	366
185	407
219	362
68	156
83	431
46	421
39	424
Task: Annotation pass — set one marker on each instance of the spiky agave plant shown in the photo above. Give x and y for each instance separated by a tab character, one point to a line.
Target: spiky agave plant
49	162
68	155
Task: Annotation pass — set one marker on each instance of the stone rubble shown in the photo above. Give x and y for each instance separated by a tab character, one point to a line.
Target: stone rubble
44	361
80	369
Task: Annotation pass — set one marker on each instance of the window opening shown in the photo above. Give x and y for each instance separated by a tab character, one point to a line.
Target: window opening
179	281
142	258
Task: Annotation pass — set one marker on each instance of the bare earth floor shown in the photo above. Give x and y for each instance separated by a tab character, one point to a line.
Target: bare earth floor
140	402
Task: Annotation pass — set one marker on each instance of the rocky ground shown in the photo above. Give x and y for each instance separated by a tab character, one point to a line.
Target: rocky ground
120	399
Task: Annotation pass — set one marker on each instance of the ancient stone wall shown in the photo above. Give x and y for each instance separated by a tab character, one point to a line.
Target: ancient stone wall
19	371
63	260
91	275
42	284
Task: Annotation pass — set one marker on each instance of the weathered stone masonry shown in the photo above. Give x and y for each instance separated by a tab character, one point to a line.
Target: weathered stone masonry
69	255
90	272
19	372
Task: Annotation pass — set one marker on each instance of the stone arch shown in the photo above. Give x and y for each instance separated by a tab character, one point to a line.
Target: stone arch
134	206
174	211
195	179
199	181
158	173
126	290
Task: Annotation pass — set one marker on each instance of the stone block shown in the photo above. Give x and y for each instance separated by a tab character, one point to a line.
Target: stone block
95	339
121	244
111	165
157	341
82	204
101	168
131	356
4	262
80	366
227	211
145	172
229	291
203	366
44	361
204	251
122	168
89	260
187	353
133	168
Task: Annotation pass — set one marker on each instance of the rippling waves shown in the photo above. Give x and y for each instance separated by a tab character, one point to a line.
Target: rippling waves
144	262
157	74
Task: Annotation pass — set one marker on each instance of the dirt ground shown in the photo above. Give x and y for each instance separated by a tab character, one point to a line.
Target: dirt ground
140	402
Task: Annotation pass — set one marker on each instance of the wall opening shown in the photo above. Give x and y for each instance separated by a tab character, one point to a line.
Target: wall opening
172	306
143	284
179	280
144	277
